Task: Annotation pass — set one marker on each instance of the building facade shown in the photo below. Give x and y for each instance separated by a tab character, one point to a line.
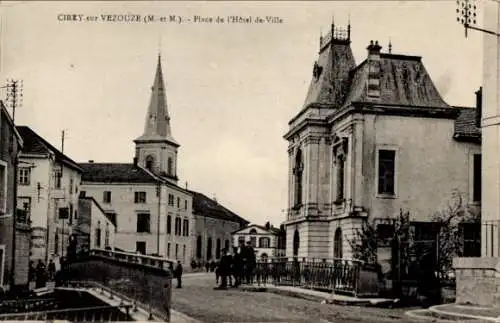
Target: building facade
94	228
373	139
14	230
213	227
265	241
47	194
154	215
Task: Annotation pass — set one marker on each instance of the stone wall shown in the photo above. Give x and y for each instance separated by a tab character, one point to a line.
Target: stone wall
150	285
477	280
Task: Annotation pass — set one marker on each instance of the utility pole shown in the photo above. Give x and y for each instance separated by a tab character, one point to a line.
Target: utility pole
62	141
467	15
14	99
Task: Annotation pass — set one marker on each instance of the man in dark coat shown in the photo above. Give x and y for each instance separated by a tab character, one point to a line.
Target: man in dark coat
178	274
224	269
250	262
237	268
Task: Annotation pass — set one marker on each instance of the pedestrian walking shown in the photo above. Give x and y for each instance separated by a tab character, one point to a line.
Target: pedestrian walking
178	274
40	273
250	262
237	267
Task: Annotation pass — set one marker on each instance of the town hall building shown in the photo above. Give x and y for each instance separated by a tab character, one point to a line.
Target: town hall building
153	214
370	140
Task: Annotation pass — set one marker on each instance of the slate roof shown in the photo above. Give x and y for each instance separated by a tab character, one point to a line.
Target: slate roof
465	124
203	205
116	173
404	81
331	82
34	144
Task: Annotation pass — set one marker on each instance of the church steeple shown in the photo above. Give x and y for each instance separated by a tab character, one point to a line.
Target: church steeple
156	149
157	125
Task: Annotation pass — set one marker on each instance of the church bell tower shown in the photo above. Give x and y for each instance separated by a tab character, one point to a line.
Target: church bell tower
156	149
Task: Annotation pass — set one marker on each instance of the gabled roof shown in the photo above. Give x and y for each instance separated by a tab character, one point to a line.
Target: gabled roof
116	173
11	123
404	81
205	206
91	199
271	230
465	124
35	144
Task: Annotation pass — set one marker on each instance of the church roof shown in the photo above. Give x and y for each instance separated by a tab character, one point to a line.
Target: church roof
205	206
404	81
157	126
35	144
116	173
465	124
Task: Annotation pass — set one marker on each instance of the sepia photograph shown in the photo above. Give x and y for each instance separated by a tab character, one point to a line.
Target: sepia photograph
250	161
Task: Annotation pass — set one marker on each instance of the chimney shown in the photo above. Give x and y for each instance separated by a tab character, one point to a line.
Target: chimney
479	106
186	185
91	161
135	161
374	69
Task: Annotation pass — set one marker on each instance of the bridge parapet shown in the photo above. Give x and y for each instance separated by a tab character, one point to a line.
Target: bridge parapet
144	279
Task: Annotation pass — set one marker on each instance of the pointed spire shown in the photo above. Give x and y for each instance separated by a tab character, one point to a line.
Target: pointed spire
157	125
349	27
390	46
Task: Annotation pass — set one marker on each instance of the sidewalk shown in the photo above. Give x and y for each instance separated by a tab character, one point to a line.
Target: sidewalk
457	313
317	296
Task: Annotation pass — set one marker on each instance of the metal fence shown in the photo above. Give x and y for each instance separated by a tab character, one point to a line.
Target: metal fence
337	275
86	314
143	281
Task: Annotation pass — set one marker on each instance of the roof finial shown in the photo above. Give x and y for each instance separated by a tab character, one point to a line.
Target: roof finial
349	27
390	46
320	37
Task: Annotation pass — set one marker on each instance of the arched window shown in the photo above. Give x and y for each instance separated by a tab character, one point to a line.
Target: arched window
169	166
264	257
209	248
264	242
150	160
297	171
169	224
217	248
252	231
185	228
337	248
198	247
296	243
226	244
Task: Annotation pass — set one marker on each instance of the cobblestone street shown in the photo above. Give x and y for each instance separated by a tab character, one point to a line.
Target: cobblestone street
198	300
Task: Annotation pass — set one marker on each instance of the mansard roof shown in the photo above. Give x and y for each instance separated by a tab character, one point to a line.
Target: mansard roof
205	206
116	173
465	124
404	81
330	79
35	144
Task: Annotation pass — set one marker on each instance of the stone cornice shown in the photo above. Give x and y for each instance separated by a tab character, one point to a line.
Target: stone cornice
303	124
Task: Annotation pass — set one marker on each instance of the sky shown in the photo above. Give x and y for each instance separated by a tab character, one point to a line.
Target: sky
231	88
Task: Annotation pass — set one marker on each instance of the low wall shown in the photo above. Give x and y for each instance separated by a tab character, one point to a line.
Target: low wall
149	285
477	280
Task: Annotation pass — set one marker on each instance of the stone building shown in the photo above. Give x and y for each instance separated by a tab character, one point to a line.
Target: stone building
154	215
47	194
14	236
371	139
94	228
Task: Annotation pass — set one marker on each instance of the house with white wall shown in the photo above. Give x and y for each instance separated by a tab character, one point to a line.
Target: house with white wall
266	240
47	193
94	228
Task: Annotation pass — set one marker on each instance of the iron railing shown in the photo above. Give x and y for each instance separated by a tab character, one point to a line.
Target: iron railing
334	275
85	314
138	285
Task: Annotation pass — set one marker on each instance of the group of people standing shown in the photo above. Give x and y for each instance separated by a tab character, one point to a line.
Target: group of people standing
239	265
41	273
